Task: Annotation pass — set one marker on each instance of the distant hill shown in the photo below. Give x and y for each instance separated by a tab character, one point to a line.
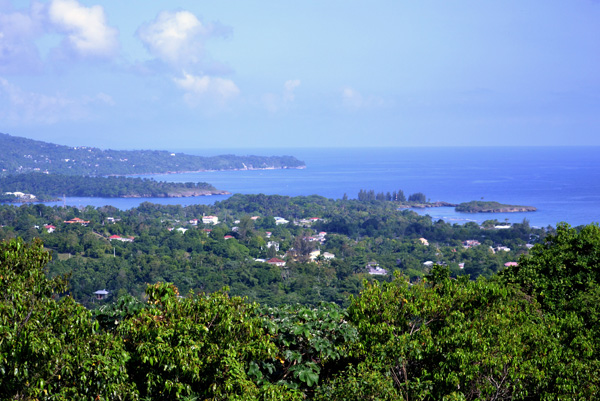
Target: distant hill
21	155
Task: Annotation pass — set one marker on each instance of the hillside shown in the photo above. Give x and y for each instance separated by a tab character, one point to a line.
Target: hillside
25	155
34	187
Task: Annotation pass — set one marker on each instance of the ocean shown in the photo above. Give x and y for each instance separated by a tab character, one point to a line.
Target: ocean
562	183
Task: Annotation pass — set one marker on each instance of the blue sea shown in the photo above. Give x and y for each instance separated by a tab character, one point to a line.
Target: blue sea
563	183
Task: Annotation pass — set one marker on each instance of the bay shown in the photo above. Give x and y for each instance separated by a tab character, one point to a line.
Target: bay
563	183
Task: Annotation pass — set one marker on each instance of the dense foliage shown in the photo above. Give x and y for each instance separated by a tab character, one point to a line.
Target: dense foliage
170	243
25	155
48	186
520	336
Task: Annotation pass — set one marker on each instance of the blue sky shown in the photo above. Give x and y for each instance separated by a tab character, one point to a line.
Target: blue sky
255	74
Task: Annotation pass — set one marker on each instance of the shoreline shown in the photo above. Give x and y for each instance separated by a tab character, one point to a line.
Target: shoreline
209	171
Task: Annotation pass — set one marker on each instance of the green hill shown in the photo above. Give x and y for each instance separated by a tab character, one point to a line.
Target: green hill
25	155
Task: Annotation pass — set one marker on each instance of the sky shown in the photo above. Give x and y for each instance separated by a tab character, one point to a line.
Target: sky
280	74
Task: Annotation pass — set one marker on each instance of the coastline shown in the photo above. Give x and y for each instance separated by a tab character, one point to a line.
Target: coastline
210	171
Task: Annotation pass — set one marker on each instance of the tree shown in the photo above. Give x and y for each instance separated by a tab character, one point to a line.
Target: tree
453	339
563	274
205	346
417	197
245	228
51	348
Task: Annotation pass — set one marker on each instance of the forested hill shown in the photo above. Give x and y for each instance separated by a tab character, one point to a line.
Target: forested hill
25	155
35	187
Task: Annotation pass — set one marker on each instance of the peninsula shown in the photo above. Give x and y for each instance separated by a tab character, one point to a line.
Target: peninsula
38	187
22	155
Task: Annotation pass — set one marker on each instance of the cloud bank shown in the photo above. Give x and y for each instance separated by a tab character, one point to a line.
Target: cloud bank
86	31
178	40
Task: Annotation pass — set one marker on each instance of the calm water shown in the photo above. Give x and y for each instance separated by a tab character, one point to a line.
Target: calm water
563	183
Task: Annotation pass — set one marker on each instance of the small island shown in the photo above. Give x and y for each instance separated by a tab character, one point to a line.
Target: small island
491	207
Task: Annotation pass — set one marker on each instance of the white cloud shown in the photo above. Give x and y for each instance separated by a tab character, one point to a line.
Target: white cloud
178	38
288	89
88	34
20	106
203	88
274	102
352	99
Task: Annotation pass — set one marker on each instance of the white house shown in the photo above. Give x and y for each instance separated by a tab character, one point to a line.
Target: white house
280	220
210	220
274	244
276	262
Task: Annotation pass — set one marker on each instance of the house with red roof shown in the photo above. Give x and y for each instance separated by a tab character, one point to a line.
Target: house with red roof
276	262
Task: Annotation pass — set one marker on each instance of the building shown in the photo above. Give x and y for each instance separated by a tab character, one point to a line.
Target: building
280	220
276	262
210	220
101	294
77	220
119	238
374	269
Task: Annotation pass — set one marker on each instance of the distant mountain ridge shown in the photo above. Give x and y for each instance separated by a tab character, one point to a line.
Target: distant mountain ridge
20	155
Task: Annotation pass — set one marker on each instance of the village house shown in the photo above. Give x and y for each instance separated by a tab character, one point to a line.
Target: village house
49	228
101	294
119	238
210	220
276	262
77	220
470	243
500	248
21	195
280	220
374	269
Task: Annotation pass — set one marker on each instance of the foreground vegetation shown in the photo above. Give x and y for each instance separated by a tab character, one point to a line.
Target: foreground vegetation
528	333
